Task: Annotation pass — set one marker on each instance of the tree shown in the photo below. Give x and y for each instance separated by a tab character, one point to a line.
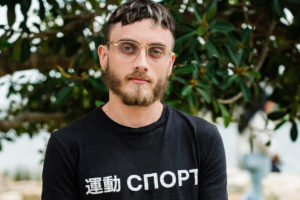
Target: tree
227	53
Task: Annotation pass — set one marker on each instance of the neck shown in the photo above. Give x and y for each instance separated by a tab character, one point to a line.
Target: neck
132	116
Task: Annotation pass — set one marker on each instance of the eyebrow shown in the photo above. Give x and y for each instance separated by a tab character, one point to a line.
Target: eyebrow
153	43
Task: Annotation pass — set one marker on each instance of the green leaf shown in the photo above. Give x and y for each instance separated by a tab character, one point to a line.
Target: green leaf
200	31
25	5
184	70
279	124
169	89
277	7
211	9
24	27
204	94
294	131
255	74
246	35
239	56
178	79
186	90
245	91
94	4
41	10
211	65
213	79
276	115
228	83
191	104
25	50
232	40
17	47
55	7
297	2
212	49
196	13
225	114
4	43
186	36
202	85
99	103
63	95
215	105
221	26
196	56
8	139
232	55
37	25
11	15
97	84
173	103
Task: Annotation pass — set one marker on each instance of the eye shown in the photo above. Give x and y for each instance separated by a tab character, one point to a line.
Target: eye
128	48
156	51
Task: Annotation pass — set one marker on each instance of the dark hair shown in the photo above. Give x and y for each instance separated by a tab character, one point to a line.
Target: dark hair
135	10
257	104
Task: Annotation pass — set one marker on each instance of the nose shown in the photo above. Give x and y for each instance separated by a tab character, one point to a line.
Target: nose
141	63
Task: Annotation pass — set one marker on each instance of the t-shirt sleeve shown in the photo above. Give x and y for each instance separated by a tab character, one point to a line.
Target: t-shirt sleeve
212	171
59	172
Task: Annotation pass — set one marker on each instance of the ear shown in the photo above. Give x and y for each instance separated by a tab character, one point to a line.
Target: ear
171	62
102	53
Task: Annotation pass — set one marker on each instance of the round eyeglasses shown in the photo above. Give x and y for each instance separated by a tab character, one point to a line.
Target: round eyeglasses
130	50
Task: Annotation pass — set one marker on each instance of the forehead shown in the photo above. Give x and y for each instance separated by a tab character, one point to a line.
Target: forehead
144	32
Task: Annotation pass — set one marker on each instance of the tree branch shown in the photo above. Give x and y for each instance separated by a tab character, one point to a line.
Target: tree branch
38	61
258	66
30	117
244	9
232	99
265	48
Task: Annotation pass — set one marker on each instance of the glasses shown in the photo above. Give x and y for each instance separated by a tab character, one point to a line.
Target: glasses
130	50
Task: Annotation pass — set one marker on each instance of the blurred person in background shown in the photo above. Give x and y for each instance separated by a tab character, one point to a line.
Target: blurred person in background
276	164
256	145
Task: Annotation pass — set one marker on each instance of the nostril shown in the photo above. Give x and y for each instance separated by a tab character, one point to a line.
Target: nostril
141	68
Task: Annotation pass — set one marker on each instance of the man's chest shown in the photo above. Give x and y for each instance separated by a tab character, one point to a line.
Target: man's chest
121	170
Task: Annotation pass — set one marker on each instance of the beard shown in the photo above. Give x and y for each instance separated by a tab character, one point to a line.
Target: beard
139	94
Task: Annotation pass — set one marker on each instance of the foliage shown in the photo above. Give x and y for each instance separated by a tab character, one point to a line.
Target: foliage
227	52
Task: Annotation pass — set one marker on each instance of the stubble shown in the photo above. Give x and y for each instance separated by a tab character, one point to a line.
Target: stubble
137	96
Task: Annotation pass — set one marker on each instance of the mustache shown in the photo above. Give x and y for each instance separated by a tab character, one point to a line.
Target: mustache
138	74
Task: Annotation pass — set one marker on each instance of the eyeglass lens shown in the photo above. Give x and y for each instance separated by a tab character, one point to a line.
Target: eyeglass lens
131	50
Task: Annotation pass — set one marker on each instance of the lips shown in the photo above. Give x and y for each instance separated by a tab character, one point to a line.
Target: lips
139	80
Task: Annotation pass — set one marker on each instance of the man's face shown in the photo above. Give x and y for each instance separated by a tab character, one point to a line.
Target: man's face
141	78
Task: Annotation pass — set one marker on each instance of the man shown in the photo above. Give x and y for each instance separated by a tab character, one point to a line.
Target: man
256	155
134	146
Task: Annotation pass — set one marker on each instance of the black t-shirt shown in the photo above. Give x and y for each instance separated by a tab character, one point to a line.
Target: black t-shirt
177	157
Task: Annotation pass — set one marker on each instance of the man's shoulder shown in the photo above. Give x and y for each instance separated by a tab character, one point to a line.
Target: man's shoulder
205	133
193	120
196	122
77	128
